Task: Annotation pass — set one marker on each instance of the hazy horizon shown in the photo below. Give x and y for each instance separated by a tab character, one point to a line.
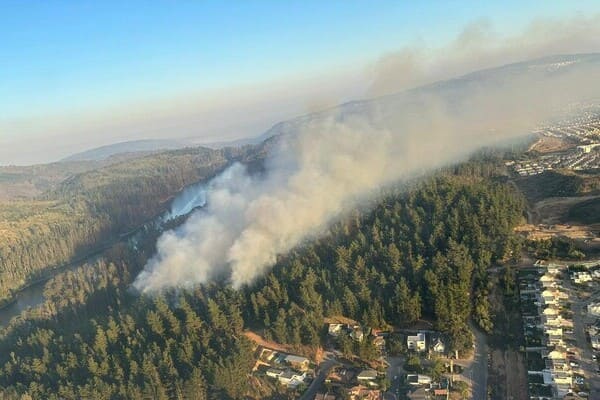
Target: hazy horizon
103	87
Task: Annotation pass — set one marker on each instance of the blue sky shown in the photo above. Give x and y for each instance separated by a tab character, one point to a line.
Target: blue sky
77	57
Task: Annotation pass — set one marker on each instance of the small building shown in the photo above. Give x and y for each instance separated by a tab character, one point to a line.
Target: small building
357	334
438	346
594	309
379	342
291	379
335	330
595	339
416	342
367	375
324	396
440	394
274	372
297	362
419	394
361	392
418	380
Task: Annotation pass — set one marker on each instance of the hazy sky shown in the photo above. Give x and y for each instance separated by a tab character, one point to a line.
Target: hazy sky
75	75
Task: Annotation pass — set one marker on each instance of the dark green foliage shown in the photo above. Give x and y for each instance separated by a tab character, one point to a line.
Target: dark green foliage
422	253
419	253
556	247
133	348
87	210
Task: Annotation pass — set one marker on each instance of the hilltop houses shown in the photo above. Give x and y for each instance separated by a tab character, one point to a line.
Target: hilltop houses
289	370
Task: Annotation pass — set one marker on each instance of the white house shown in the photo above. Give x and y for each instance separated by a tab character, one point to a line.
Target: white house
335	329
291	378
438	346
594	309
417	380
416	342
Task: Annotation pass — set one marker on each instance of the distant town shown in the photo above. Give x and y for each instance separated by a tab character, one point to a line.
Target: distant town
572	144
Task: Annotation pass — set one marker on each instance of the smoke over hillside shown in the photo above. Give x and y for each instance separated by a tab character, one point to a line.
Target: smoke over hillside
337	160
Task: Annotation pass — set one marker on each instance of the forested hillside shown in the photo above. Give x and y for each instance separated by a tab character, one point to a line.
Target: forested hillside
91	208
422	251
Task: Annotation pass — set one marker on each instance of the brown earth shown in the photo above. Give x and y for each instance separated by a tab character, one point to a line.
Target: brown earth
546	144
507	371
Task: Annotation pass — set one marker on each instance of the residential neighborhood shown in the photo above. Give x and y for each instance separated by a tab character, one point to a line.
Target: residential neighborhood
364	363
553	299
579	147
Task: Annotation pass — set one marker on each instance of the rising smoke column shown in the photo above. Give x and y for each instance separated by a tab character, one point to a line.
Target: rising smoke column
337	161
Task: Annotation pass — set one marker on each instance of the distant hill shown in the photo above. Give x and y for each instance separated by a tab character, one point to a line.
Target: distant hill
384	109
139	148
136	146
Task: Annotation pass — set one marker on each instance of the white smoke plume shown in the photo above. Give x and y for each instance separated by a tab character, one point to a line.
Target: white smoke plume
335	161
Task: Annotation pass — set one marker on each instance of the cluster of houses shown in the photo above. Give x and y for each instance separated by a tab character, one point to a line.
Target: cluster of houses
584	154
552	365
594	331
422	386
580	158
426	341
352	383
583	277
357	333
289	370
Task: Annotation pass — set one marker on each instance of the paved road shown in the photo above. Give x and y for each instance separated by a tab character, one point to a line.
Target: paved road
475	371
395	369
580	319
478	370
316	384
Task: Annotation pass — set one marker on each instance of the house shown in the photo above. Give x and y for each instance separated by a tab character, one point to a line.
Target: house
340	376
416	342
335	330
440	394
419	394
417	380
361	392
553	269
379	342
550	297
437	346
594	309
297	362
291	379
274	372
595	342
550	314
324	396
366	375
581	277
357	333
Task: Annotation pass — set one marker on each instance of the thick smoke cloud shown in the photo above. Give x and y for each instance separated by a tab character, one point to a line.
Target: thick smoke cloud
480	46
332	162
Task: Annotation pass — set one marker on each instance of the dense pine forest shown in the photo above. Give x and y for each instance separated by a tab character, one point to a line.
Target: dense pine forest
94	207
418	252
